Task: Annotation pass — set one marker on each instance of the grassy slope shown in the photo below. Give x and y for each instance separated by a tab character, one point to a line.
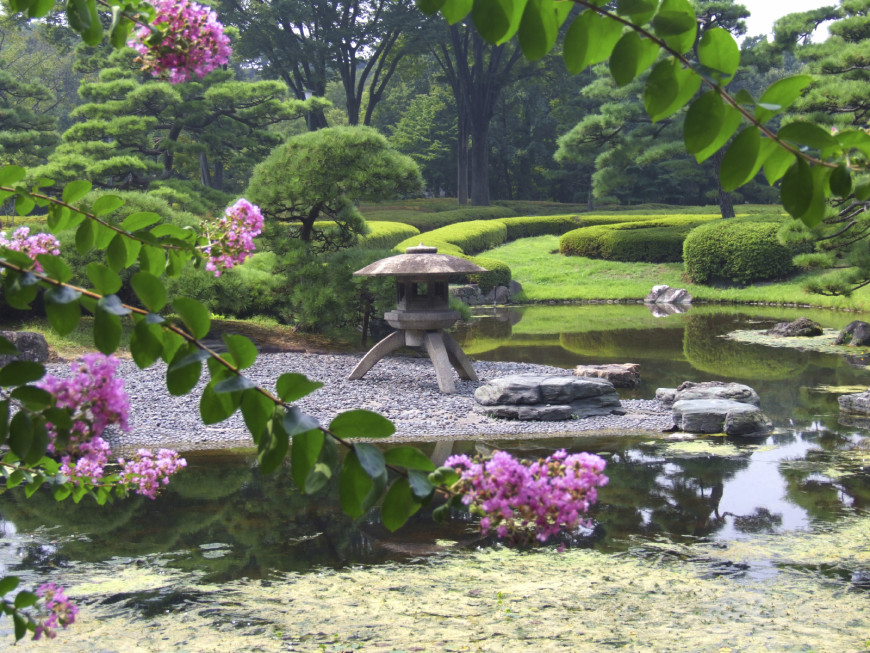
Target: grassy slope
546	275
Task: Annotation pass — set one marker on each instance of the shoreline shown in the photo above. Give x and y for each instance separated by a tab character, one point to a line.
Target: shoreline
401	388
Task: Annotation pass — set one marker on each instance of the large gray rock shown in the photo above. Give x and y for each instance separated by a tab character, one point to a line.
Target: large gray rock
854	334
666	295
689	390
533	397
857	404
720	416
621	375
31	346
802	327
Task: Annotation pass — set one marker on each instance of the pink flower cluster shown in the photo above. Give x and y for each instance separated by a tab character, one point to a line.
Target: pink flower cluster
61	611
96	399
234	242
22	241
148	473
515	498
193	41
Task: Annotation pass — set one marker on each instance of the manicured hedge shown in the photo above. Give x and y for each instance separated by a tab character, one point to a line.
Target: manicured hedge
471	237
499	273
428	221
740	250
386	235
657	240
548	225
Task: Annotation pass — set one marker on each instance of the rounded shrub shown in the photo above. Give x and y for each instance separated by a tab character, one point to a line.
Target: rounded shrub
498	274
386	235
739	251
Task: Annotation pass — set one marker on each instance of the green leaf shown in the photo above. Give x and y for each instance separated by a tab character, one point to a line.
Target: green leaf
112	304
399	504
804	133
455	10
429	7
234	383
317	478
492	18
703	121
304	454
371	459
732	121
104	280
538	30
244	351
668	89
361	424
776	165
38	445
780	95
409	458
676	24
631	56
103	235
815	212
354	485
32	397
61	492
841	181
257	410
718	51
420	485
107	331
292	386
24	203
640	11
215	407
63	309
589	40
149	290
25	599
7	348
116	255
796	190
146	344
20	434
194	315
140	220
54	267
742	160
152	260
75	190
11	175
106	204
184	371
172	342
446	476
85	237
8	583
295	421
4	421
20	372
272	448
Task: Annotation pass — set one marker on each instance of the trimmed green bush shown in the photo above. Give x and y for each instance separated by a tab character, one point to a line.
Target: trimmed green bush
386	235
499	273
428	221
657	240
739	251
549	225
471	237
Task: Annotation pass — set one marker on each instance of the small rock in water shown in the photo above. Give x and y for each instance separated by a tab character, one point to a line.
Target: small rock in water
802	327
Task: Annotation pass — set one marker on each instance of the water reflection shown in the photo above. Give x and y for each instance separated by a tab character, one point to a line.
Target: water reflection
223	519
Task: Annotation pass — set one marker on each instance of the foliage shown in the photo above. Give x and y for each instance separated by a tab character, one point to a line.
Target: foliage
319	176
498	273
427	221
737	251
386	235
658	240
527	227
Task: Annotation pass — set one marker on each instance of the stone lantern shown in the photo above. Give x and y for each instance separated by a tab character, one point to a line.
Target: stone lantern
422	312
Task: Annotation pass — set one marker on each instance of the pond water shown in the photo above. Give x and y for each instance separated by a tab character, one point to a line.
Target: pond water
698	543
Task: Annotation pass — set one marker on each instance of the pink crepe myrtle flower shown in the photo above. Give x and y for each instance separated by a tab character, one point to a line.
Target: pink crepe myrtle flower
193	41
516	498
32	246
233	239
61	611
96	399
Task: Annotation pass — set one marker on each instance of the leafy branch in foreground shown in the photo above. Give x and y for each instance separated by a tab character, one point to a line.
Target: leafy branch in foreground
811	163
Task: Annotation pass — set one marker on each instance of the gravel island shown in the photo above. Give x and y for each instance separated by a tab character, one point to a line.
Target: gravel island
403	389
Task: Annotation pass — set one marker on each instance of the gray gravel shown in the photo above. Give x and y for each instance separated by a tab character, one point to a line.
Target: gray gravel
402	389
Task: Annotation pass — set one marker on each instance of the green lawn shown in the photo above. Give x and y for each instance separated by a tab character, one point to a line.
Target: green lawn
547	275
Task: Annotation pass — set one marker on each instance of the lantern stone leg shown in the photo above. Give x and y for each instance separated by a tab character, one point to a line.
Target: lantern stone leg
457	357
387	346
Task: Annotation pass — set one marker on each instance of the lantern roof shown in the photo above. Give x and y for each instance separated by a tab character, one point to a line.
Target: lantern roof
419	261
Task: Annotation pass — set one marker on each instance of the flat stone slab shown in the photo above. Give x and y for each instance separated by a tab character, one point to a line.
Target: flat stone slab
31	346
720	416
857	404
529	389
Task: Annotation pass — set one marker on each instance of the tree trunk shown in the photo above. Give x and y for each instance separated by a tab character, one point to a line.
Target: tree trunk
462	163
204	175
480	165
218	180
726	202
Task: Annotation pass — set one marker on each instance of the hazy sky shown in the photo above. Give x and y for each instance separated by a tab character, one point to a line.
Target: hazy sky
765	12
